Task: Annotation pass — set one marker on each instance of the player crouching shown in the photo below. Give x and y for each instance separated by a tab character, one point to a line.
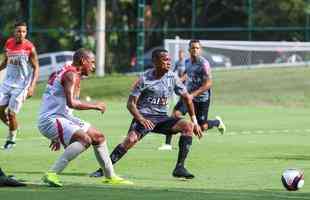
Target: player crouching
57	123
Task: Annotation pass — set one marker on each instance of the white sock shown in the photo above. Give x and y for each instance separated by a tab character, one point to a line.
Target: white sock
12	135
71	152
103	158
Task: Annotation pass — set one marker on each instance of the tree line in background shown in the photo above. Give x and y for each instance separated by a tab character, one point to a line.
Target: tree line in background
69	24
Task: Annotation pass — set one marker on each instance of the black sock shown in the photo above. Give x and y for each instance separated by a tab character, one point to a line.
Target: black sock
117	153
168	139
2	173
213	123
185	143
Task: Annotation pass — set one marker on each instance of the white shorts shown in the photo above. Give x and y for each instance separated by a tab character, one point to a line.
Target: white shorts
62	128
13	97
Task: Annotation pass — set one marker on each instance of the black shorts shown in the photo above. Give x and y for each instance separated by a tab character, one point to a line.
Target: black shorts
163	125
201	109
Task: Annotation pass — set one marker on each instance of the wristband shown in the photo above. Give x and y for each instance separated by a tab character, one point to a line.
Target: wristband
194	119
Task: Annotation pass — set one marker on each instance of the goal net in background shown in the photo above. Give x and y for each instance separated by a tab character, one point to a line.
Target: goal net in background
246	54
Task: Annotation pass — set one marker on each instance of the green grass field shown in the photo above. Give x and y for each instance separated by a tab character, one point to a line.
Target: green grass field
267	115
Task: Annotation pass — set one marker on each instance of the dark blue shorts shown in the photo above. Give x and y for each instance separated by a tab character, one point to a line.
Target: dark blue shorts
201	109
163	125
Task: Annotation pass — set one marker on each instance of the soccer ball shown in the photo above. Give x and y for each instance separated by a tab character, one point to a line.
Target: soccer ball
87	98
293	179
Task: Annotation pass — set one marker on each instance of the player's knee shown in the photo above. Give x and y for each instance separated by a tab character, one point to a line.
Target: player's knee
187	128
11	115
98	138
131	140
204	127
177	114
86	140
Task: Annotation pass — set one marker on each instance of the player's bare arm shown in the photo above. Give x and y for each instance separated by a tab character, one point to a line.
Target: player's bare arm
206	85
35	65
132	107
188	99
4	62
70	82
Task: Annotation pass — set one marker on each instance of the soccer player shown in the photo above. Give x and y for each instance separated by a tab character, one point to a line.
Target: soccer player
179	66
198	82
21	63
147	104
57	123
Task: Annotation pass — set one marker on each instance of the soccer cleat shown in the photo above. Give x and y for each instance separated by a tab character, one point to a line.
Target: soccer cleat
8	145
51	179
98	173
221	127
181	172
165	147
116	180
10	181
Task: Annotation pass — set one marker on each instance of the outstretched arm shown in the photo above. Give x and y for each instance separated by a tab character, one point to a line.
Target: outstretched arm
70	80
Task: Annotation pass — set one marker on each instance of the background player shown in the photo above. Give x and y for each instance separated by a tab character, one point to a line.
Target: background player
21	63
198	83
179	66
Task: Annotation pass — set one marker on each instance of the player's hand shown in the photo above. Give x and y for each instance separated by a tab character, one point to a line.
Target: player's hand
197	131
30	92
101	106
55	145
148	124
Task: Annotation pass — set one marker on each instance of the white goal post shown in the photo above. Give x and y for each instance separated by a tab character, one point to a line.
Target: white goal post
246	54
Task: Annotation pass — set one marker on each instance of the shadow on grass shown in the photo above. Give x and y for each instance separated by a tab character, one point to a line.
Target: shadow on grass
41	173
137	193
287	157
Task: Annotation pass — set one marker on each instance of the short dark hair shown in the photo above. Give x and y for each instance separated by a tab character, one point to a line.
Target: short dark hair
193	41
157	52
22	23
80	54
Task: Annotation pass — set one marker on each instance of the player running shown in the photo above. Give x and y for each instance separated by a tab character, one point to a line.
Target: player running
57	123
198	83
21	63
148	105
